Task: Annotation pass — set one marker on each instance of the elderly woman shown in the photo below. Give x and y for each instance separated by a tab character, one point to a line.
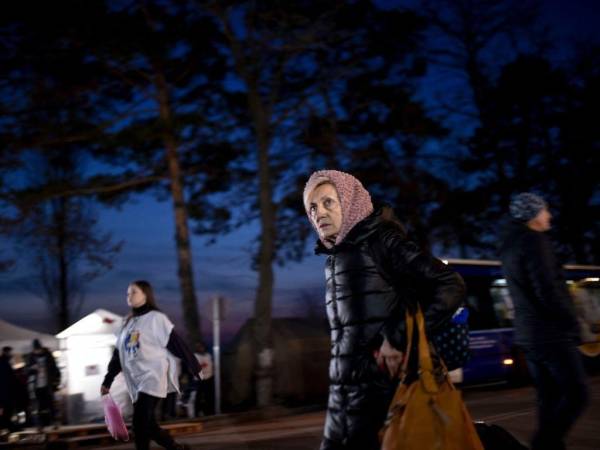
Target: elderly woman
366	308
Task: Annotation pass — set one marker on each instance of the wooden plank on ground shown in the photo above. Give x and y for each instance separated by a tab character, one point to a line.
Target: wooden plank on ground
70	441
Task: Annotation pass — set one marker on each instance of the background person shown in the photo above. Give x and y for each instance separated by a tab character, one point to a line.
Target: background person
44	378
204	402
8	389
141	354
546	325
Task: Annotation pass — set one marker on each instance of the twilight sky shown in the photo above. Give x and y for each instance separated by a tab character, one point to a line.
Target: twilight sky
147	228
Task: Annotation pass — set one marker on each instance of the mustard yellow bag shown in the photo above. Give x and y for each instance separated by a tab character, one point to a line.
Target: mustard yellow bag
426	415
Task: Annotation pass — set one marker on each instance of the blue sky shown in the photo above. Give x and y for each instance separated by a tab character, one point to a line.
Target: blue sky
147	228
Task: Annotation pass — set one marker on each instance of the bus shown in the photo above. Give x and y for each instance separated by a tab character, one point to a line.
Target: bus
494	357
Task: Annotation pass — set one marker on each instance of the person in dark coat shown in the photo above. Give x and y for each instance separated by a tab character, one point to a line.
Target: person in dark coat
8	389
366	313
204	403
45	377
546	325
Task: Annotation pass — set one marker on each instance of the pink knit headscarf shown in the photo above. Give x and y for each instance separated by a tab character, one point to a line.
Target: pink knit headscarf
354	198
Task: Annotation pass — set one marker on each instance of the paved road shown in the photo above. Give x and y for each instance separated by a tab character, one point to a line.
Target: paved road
511	408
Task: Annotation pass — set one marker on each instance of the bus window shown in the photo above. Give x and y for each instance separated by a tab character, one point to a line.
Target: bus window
503	304
481	310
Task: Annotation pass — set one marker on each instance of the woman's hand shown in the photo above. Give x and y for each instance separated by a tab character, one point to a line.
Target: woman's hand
104	390
389	359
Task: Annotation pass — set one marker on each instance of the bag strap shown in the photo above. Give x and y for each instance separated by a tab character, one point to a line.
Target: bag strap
425	361
409	337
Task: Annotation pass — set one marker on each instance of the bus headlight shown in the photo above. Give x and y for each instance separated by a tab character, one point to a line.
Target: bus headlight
508	362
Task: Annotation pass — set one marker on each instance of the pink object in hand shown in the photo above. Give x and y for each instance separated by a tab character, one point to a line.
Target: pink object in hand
114	419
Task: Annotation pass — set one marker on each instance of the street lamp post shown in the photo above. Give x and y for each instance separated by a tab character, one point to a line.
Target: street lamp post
217	310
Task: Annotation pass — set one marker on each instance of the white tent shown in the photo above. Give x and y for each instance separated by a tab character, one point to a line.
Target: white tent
86	349
97	323
20	339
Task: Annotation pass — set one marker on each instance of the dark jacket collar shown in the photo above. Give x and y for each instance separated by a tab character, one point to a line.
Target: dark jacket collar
512	231
141	310
514	227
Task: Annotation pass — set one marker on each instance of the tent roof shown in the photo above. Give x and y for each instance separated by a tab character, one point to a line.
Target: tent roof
100	321
20	339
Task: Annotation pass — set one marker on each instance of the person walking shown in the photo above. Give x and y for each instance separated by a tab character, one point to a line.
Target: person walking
8	389
142	354
366	310
44	377
204	401
546	324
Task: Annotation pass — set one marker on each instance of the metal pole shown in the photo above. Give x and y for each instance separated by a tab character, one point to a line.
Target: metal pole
217	352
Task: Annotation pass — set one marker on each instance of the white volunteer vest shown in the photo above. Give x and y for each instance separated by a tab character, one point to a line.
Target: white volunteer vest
144	357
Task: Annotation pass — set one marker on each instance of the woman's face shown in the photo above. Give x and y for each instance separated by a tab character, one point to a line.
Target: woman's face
325	210
135	296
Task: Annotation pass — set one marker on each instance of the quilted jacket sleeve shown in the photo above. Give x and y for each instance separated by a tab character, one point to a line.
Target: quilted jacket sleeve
422	279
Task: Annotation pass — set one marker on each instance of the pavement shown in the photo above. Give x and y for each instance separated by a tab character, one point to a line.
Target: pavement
510	408
515	410
277	427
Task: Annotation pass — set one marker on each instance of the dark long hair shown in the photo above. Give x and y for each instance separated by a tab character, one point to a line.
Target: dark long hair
146	288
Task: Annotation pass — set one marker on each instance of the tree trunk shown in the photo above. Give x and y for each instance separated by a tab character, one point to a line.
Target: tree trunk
264	292
63	275
184	253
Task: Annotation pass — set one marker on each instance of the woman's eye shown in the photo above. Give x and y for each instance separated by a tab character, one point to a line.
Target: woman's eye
327	203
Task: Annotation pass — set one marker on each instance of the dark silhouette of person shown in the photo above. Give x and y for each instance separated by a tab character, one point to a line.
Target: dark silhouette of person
546	324
44	375
8	389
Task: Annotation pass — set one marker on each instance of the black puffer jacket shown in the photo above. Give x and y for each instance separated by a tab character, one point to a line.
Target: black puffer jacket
544	310
362	308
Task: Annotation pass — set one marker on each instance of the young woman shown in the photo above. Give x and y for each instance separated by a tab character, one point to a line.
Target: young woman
141	353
